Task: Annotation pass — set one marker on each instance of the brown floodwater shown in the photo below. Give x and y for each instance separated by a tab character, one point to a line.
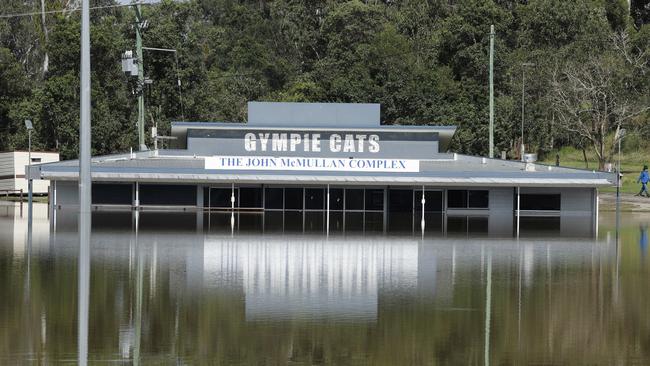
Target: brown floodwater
253	289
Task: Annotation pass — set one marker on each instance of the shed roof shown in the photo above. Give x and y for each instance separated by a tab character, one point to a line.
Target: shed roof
175	166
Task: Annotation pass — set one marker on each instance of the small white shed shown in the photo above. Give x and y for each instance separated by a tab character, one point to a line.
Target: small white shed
12	171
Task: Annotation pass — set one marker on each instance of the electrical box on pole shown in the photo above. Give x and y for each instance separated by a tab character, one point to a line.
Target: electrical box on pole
133	65
129	64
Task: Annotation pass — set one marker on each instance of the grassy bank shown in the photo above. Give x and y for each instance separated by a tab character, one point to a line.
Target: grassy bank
631	164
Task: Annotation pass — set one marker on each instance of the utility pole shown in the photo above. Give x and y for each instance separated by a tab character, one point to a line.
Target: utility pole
523	92
84	189
139	25
491	155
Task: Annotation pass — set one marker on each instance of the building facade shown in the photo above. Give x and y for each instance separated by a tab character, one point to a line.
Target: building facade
12	171
334	167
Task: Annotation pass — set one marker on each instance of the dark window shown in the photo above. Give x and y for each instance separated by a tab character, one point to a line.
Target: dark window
457	225
274	220
219	221
112	194
400	200
374	199
249	221
542	202
108	220
457	198
354	199
293	221
167	221
274	198
336	199
479	199
314	198
374	222
432	201
353	221
220	197
432	223
293	198
400	221
539	226
36	160
336	222
163	194
250	197
477	225
467	225
314	221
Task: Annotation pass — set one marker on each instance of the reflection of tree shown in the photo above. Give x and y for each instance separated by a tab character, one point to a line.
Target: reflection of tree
570	318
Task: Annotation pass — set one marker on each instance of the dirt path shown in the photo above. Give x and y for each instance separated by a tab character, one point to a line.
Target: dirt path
628	202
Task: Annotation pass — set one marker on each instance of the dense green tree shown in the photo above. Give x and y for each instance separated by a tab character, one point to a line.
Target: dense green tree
425	61
640	10
14	86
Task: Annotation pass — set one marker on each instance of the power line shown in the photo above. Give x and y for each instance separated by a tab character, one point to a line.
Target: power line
18	15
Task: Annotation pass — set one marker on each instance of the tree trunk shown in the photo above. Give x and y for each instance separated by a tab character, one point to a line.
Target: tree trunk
46	58
601	152
584	155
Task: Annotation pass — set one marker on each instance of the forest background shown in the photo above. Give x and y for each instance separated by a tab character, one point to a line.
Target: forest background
584	62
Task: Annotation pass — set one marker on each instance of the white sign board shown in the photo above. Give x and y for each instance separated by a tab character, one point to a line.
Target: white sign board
311	164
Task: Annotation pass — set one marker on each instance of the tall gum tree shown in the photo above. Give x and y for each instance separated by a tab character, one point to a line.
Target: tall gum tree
598	97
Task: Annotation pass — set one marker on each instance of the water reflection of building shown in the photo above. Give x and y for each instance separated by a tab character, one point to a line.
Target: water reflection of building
14	226
270	277
311	277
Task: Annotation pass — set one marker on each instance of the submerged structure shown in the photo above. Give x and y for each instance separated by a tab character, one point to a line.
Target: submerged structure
330	166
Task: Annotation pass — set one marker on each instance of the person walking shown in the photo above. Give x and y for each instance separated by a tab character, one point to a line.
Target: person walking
644	178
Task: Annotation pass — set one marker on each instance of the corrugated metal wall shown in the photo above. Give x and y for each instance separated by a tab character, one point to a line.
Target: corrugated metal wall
7	171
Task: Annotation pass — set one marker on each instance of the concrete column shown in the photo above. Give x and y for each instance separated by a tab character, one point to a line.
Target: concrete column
199	221
199	196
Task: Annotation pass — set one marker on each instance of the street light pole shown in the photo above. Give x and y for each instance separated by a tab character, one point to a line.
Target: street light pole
85	187
523	92
29	169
